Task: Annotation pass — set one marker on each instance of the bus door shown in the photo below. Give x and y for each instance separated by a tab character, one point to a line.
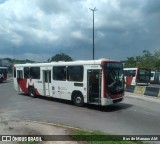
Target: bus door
46	82
20	79
94	78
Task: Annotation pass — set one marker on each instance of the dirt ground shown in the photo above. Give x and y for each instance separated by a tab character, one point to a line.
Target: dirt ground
34	128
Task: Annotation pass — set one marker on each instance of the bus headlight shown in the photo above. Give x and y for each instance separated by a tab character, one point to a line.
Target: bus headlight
108	96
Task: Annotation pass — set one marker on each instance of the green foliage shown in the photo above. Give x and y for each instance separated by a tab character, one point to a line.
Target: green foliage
147	60
31	142
15	61
60	57
97	137
131	62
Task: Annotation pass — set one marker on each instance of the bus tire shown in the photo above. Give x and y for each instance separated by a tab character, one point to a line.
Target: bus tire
1	80
78	99
32	92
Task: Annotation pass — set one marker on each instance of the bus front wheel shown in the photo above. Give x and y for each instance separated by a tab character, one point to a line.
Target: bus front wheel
78	100
31	92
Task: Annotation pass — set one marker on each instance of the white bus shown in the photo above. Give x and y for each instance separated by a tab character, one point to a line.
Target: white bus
99	82
3	74
155	77
137	76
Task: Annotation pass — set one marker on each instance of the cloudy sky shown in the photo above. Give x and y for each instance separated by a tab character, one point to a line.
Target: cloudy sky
39	29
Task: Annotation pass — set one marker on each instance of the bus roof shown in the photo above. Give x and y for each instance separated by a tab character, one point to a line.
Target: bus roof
136	68
61	63
130	68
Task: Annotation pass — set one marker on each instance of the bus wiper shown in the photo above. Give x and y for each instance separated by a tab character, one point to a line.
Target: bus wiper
113	83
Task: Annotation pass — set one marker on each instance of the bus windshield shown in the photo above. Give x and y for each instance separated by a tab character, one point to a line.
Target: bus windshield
144	75
114	77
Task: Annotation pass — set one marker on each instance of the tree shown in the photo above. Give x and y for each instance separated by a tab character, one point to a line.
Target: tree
157	61
147	60
131	62
60	57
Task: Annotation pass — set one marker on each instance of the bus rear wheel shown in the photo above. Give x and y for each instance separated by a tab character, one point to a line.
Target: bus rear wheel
32	92
78	100
1	80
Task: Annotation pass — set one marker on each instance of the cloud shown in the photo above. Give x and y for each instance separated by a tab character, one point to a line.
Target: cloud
44	28
152	7
55	6
2	1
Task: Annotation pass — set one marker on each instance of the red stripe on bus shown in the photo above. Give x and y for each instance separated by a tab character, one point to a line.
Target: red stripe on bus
129	80
23	85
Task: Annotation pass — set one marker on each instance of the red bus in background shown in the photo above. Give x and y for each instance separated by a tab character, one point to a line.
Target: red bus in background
137	76
3	74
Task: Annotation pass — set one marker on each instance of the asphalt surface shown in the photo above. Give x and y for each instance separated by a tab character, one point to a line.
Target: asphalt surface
137	115
155	85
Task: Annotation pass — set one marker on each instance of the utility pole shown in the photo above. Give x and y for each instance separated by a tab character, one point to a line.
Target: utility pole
93	10
13	54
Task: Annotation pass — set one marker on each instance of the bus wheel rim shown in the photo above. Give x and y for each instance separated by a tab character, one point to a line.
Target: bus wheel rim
32	94
78	100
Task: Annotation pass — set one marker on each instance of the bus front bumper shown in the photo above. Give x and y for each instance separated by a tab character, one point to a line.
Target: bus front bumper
107	101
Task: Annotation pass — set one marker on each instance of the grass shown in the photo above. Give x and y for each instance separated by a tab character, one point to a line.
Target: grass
33	142
97	137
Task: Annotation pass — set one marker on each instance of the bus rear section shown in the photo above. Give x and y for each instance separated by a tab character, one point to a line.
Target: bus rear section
3	73
98	82
137	76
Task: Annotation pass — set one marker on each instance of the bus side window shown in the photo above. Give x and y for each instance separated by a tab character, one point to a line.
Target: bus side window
26	72
59	73
75	73
133	73
35	72
125	73
5	71
129	73
19	74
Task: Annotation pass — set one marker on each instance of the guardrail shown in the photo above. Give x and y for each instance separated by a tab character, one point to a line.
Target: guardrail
144	90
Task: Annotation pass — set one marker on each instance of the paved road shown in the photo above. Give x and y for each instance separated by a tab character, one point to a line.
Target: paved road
155	85
132	116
